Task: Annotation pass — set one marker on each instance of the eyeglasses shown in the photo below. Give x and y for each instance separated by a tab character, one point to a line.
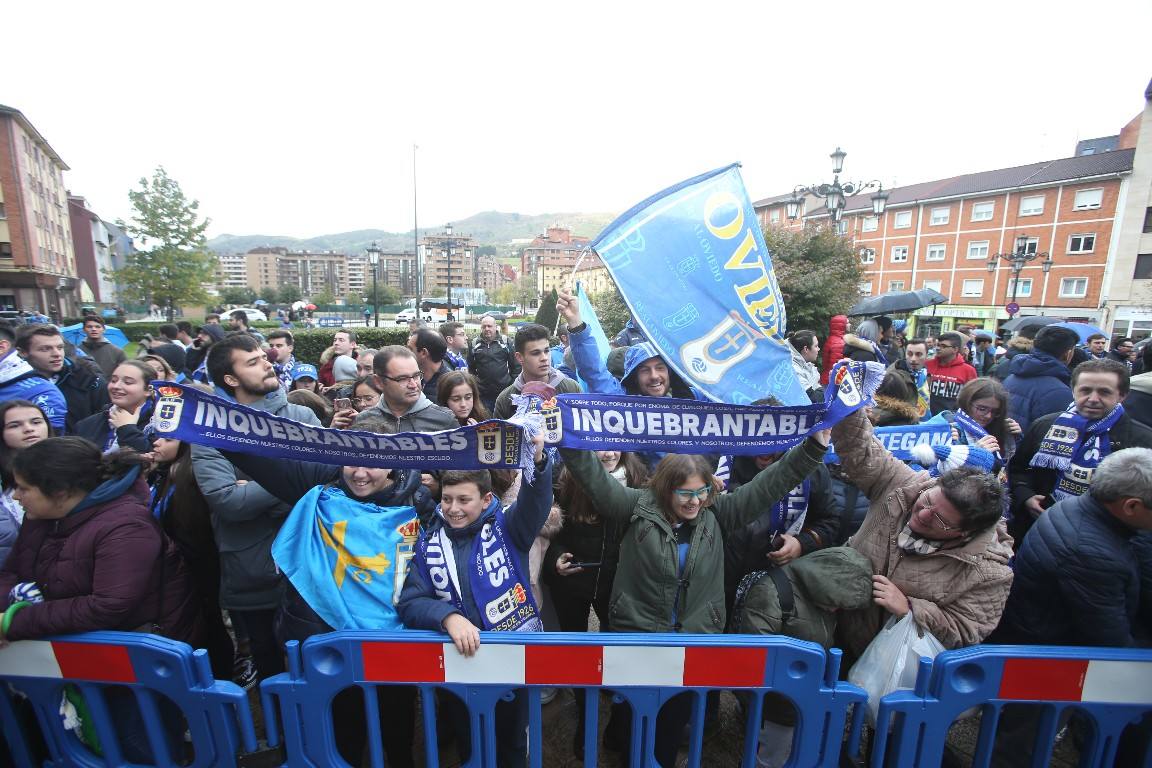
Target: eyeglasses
945	346
940	522
699	493
365	399
984	410
405	379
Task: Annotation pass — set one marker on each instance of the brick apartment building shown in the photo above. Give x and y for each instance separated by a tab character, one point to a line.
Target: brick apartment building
37	261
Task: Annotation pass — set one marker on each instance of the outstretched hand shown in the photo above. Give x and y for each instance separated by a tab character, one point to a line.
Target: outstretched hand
569	308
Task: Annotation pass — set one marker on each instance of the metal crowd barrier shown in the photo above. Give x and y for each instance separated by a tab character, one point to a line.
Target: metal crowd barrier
642	669
1108	689
34	673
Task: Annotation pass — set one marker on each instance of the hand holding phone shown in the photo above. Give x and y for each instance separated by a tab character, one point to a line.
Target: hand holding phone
583	565
342	403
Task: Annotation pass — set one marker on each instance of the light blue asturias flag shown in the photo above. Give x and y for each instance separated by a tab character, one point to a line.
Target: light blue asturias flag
692	266
588	315
347	558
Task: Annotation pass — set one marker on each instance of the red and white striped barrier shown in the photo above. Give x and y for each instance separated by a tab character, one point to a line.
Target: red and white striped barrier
94	662
1118	682
567	665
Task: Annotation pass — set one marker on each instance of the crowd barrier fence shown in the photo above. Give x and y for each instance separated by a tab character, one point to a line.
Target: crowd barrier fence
1111	688
642	669
35	672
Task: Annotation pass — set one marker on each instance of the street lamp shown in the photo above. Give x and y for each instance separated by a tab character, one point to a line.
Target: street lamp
448	243
836	194
374	260
1017	260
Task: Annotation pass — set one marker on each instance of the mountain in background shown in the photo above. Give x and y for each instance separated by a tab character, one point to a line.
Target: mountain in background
488	228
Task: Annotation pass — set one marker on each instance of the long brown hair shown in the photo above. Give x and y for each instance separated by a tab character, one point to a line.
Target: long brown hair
578	506
986	387
671	473
453	379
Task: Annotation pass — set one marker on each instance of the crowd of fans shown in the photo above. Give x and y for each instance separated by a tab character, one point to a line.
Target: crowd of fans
103	525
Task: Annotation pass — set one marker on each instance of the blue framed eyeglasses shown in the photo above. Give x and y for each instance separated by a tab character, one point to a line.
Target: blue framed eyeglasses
699	493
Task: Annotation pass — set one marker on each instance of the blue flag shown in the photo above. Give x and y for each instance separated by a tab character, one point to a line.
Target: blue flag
692	266
347	558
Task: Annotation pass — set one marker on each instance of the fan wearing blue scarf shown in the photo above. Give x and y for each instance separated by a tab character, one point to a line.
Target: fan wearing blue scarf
470	573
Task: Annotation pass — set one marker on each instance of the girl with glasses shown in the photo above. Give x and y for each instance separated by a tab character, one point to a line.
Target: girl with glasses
670	577
981	417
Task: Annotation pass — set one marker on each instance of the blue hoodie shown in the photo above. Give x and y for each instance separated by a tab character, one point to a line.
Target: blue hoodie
1037	384
19	381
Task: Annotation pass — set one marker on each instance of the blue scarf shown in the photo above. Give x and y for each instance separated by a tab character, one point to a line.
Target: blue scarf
1074	447
977	432
502	595
923	395
347	558
788	513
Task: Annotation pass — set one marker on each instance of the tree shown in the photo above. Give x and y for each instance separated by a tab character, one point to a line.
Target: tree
289	294
173	263
237	296
389	295
819	274
611	311
546	315
324	297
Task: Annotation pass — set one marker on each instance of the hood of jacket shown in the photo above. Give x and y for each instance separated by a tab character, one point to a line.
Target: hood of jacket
892	411
13	367
1036	364
852	340
635	356
1142	383
1018	345
835	578
838	325
274	402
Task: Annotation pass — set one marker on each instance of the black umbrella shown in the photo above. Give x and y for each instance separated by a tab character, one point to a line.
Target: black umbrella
1021	323
899	301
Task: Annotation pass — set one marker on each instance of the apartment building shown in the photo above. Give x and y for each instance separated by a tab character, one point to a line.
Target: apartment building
555	248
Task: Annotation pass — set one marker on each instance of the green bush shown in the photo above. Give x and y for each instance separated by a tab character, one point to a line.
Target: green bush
311	344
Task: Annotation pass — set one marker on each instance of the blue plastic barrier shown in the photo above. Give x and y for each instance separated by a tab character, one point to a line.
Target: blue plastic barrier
1111	687
329	321
644	670
217	713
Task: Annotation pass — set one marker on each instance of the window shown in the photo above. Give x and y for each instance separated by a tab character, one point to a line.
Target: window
2	214
1023	292
978	249
1081	243
1033	205
866	289
972	288
903	220
935	285
1074	287
1143	264
1087	199
5	250
1148	219
895	285
935	252
982	211
871	223
867	256
939	216
1031	245
899	253
774	216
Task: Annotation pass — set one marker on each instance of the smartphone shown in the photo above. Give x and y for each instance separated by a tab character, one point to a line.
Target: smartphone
583	565
342	403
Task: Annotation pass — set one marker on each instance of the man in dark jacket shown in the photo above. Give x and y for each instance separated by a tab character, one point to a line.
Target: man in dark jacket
1098	388
1038	381
1121	352
246	517
84	389
432	356
493	362
106	354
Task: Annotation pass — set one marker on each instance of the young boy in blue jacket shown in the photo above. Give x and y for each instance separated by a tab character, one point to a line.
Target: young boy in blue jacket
471	573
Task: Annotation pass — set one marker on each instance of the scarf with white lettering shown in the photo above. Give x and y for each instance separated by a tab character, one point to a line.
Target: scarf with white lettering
788	513
923	396
975	432
500	590
1074	447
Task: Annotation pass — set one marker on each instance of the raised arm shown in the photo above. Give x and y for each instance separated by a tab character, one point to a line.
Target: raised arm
747	502
589	366
611	499
868	465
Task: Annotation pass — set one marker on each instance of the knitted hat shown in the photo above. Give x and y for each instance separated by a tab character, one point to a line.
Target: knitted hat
939	459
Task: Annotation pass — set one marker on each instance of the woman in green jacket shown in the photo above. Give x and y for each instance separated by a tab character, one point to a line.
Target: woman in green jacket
671	572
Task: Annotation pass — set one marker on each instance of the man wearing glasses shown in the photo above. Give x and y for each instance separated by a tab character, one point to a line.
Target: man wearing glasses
947	373
403	404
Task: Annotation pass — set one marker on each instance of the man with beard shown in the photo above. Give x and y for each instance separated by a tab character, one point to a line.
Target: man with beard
246	517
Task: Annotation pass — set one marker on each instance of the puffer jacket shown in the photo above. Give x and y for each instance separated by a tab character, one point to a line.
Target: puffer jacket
84	390
18	381
246	518
1077	580
860	350
106	565
1017	345
956	594
1038	384
649	589
834	344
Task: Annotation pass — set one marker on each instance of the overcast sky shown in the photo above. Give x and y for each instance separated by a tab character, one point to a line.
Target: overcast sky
299	118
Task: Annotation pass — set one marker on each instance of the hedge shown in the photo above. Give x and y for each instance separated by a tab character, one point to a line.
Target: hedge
311	344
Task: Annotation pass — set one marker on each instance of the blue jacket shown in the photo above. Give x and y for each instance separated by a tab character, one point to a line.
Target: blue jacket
1038	384
420	608
18	381
1077	580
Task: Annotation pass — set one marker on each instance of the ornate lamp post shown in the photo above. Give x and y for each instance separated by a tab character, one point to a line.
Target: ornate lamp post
374	260
1017	260
836	193
448	244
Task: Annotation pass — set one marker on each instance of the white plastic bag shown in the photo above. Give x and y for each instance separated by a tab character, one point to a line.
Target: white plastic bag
891	660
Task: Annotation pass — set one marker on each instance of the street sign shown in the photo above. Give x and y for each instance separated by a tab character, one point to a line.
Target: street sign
1012	308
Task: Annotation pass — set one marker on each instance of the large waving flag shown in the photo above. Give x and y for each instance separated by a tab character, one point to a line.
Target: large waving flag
692	266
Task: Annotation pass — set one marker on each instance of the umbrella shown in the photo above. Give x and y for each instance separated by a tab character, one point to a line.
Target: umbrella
299	305
898	301
1022	323
74	334
1084	330
310	307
